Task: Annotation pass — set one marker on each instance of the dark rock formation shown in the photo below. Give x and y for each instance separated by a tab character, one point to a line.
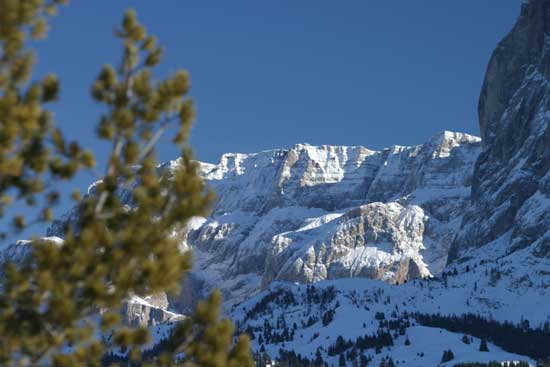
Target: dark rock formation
510	189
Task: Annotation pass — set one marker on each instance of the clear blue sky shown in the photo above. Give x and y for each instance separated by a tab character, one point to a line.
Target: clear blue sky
269	74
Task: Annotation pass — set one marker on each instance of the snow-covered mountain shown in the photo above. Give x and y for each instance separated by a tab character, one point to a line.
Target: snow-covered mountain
313	213
499	261
311	243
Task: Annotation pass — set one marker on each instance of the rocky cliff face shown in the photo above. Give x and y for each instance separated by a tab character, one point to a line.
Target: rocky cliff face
335	177
147	311
511	181
309	213
312	213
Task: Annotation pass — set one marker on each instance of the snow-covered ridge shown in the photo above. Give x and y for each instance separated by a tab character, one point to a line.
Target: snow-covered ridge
311	213
345	175
21	250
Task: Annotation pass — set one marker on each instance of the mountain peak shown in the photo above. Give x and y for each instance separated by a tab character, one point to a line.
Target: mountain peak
446	135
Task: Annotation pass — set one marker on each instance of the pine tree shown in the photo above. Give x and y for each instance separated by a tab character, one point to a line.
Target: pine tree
448	355
111	251
363	360
341	360
319	362
483	346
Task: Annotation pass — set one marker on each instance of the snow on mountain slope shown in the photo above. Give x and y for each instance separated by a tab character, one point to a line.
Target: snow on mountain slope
331	177
368	241
313	213
295	317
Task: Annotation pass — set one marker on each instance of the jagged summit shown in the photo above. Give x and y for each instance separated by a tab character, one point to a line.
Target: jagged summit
332	177
438	139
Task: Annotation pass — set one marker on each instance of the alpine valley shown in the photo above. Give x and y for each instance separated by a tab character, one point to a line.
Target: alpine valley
430	255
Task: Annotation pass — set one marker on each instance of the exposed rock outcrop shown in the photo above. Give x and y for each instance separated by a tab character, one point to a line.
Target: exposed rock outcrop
147	311
511	181
313	213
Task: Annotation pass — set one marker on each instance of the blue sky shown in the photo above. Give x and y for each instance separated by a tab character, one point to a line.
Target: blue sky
269	74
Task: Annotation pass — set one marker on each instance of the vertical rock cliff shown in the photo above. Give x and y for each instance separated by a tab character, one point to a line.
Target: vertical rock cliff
511	182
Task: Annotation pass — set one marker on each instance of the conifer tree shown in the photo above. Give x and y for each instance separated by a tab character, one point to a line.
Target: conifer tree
55	304
483	346
341	360
319	362
448	355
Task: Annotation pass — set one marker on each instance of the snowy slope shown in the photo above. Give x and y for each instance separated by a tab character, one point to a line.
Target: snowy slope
356	305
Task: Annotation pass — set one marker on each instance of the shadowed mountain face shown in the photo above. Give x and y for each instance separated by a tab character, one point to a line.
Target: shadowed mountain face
511	181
